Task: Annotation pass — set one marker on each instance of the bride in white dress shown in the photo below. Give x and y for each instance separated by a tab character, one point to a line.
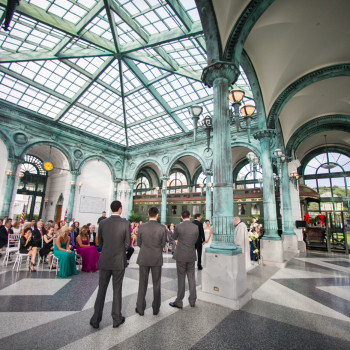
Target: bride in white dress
207	233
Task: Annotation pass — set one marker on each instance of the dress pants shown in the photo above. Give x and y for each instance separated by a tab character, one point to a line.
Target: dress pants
104	278
199	254
143	284
183	269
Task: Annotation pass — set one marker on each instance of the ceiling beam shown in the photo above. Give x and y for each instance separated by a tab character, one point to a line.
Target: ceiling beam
123	101
129	21
155	93
112	23
181	13
164	37
92	13
51	55
140	57
38	14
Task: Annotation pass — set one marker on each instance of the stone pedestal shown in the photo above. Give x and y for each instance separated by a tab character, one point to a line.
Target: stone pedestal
224	280
272	253
290	243
302	246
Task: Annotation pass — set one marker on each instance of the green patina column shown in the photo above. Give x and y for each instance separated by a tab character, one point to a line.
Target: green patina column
208	213
220	76
164	200
10	185
131	196
288	226
270	215
71	199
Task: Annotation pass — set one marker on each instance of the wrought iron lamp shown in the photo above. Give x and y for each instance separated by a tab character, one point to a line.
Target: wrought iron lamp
294	178
245	113
195	112
207	123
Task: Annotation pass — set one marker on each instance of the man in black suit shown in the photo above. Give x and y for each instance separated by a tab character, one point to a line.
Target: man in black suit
5	231
37	234
114	239
151	239
201	239
103	217
186	233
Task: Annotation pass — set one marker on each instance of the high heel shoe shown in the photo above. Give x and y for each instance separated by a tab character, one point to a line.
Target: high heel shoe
32	266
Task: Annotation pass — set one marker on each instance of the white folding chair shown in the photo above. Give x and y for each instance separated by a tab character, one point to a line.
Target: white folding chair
19	257
78	259
54	260
12	247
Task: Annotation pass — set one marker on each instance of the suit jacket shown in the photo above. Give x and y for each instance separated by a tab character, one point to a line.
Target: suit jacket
187	235
114	237
151	238
36	237
201	237
4	235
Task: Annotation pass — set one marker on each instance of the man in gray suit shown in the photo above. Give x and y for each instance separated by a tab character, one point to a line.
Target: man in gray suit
151	239
114	235
186	233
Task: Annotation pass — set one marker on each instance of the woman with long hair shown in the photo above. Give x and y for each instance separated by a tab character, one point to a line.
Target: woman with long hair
27	247
89	253
66	257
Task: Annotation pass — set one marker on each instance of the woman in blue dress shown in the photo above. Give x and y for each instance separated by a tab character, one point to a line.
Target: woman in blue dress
66	257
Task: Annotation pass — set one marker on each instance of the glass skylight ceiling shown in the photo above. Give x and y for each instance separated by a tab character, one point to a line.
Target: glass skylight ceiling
108	71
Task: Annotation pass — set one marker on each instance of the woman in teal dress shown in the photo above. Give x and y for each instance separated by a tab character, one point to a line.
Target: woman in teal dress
66	257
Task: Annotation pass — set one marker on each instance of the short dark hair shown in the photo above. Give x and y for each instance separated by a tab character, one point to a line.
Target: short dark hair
185	214
115	206
197	215
153	212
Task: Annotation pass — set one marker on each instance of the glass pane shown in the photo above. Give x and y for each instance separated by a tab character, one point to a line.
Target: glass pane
311	183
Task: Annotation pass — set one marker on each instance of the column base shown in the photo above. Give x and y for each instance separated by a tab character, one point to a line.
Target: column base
290	243
272	253
224	280
302	246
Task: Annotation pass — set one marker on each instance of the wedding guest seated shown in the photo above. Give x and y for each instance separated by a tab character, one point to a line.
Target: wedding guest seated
5	231
72	237
66	257
47	249
56	228
16	228
94	235
27	247
89	253
38	233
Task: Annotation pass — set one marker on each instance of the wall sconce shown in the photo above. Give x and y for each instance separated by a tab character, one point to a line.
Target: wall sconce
20	174
46	201
195	112
157	190
72	183
8	172
294	178
245	113
207	123
253	162
80	185
163	189
201	187
210	184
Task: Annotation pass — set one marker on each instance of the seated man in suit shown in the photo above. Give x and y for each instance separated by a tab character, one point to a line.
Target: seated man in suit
37	234
5	231
186	233
151	239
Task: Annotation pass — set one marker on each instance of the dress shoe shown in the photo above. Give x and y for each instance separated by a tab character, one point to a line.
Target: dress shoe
172	304
192	305
140	313
155	313
118	324
200	267
94	325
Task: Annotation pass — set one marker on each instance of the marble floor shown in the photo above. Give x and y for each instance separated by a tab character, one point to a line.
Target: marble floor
303	306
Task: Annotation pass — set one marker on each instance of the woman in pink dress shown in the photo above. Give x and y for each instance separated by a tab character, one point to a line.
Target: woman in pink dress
88	252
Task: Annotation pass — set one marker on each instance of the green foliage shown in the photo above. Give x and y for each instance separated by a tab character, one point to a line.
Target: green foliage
134	217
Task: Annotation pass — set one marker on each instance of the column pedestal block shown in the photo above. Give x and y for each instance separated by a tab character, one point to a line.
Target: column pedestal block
224	280
302	246
290	243
272	253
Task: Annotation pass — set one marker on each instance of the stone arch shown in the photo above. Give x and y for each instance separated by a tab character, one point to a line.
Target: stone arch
54	144
184	154
8	143
321	124
144	162
328	72
248	145
99	158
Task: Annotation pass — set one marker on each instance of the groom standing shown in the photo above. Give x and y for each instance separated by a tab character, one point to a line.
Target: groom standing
114	237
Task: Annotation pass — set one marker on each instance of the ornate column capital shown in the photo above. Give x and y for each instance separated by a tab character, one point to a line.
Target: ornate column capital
117	179
75	172
267	133
131	182
208	172
220	69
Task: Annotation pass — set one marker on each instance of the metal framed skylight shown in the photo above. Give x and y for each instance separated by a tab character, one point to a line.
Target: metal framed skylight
132	68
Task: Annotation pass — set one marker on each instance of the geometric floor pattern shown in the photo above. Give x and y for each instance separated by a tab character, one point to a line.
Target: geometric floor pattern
303	306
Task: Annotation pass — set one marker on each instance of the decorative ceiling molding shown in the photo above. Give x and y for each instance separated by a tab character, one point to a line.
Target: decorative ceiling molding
326	123
328	72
